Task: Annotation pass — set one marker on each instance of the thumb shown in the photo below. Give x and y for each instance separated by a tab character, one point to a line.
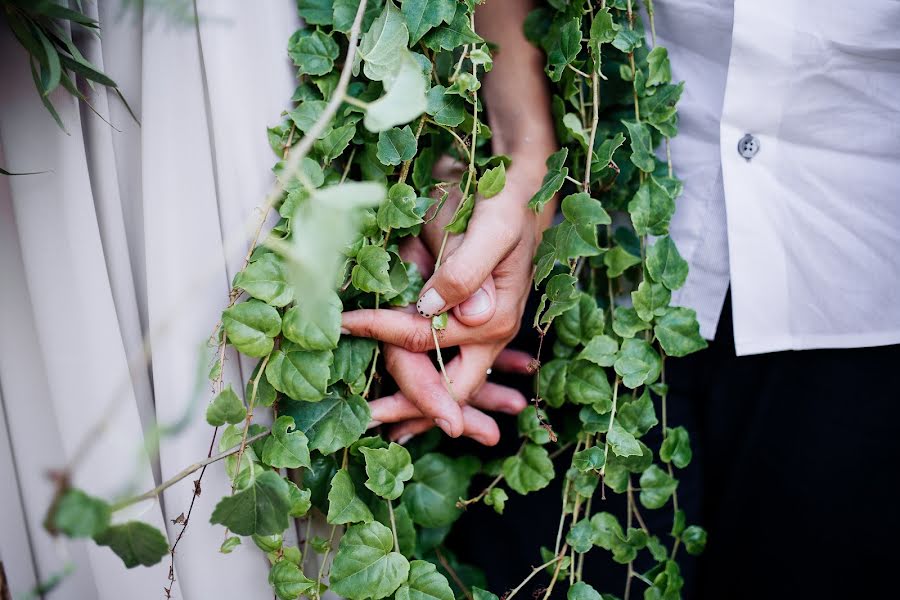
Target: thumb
478	308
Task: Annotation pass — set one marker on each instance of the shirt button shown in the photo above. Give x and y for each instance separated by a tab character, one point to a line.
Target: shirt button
748	146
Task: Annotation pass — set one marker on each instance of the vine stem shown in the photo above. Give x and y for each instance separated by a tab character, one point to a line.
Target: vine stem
612	416
531	575
491	485
149	494
453	574
595	119
393	525
440	359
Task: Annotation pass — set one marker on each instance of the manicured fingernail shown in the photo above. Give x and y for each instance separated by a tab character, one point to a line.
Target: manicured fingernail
404	438
430	303
445	425
476	304
373	423
345	331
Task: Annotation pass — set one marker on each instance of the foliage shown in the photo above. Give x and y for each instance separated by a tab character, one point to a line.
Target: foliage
606	273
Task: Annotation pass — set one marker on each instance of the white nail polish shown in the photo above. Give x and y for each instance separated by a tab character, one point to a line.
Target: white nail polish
430	303
404	438
373	423
345	331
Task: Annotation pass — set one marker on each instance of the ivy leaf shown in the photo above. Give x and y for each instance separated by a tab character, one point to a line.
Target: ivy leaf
371	274
583	591
553	179
385	40
399	210
365	565
676	448
79	515
618	260
332	424
344	506
694	539
492	181
334	143
314	330
651	208
230	544
250	327
650	300
226	407
396	146
447	109
460	220
496	498
288	581
608	534
437	483
603	156
405	85
678	331
264	279
562	295
301	500
301	374
581	323
626	322
581	536
580	208
586	383
424	583
135	542
423	15
387	468
601	350
306	115
621	442
552	382
603	31
564	48
530	425
452	35
572	123
261	508
286	448
628	40
589	459
480	594
529	470
314	53
315	12
345	11
659	67
641	146
351	360
638	416
637	363
665	265
657	487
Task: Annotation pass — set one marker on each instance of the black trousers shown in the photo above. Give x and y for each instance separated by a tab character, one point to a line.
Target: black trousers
795	477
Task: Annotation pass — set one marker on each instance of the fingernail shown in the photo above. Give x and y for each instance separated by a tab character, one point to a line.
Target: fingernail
345	331
430	303
445	425
476	304
373	423
404	438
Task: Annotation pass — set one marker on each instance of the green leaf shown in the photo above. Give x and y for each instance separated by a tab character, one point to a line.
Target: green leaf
492	181
638	416
497	498
641	146
564	48
665	265
552	382
399	210
301	500
424	583
586	383
288	581
351	360
460	220
333	144
344	506
650	300
480	594
306	115
580	208
694	539
437	483
423	15
405	86
261	508
637	363
628	40
315	12
452	35
562	295
300	374
553	180
332	424
603	31
314	330
581	536
618	260
314	53
387	468
651	208
530	425
250	327
365	565
385	40
601	350
656	487
581	323
659	69
626	322
583	591
135	542
678	331
530	470
589	459
676	448
396	146
370	274
286	448
230	544
572	123
446	109
621	442
79	516
345	12
226	407
264	279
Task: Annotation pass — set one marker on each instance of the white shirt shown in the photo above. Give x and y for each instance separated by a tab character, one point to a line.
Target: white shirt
807	231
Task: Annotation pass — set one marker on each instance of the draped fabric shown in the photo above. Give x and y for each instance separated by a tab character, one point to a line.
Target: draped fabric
132	233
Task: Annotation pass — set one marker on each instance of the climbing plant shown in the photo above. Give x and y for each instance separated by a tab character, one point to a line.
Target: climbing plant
383	91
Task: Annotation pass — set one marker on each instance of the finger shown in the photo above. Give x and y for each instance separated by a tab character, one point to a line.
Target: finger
422	384
515	361
478	426
480	306
392	409
499	398
486	242
468	369
413	250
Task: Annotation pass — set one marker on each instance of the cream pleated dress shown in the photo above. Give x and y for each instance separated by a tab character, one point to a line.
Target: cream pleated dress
130	234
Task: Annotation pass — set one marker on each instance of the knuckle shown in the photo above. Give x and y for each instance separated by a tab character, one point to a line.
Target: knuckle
506	325
416	340
457	281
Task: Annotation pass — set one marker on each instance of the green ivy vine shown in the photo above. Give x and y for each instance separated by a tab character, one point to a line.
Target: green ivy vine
383	92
